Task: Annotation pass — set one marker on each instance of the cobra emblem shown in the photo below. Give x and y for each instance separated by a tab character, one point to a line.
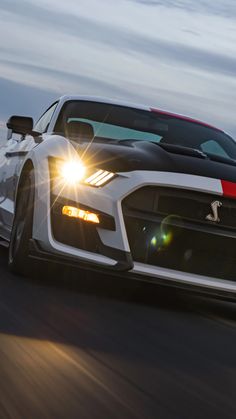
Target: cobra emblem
214	216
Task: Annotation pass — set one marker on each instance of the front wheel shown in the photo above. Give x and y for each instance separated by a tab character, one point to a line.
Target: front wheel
18	259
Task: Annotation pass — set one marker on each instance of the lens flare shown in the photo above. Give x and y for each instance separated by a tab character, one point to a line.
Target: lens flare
72	172
167	238
154	241
161	240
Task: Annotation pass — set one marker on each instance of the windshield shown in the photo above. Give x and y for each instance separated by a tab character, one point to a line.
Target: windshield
83	121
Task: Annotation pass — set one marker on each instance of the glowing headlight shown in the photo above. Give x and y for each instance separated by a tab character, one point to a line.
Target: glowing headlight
99	178
72	171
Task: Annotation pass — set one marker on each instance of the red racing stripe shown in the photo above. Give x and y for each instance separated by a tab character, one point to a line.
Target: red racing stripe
229	188
184	118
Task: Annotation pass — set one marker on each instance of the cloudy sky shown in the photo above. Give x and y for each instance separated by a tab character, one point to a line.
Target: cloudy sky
178	55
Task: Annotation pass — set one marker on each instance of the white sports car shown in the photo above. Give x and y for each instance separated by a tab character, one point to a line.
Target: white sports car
121	188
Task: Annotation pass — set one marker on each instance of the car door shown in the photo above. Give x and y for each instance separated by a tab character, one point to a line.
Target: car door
12	156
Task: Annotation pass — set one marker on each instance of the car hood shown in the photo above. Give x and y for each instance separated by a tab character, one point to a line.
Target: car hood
144	155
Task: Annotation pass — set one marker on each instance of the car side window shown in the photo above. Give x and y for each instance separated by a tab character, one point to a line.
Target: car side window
43	123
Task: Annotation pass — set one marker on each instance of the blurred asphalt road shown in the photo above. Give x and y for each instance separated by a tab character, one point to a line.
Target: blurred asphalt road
92	351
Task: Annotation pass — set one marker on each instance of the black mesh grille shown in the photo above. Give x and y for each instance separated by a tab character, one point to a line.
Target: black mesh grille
188	205
168	228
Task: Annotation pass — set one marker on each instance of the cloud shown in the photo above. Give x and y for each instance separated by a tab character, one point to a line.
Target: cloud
165	54
120	39
224	8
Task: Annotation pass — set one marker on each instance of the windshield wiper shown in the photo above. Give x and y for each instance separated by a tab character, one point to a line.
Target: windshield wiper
179	149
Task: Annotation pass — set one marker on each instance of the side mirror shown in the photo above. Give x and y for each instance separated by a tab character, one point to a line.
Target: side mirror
20	124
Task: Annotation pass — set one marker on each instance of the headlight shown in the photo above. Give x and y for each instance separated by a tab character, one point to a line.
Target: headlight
72	171
99	178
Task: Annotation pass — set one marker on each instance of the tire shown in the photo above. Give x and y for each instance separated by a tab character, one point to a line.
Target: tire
18	258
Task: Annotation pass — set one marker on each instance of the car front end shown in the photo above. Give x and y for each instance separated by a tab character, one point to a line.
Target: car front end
138	193
148	225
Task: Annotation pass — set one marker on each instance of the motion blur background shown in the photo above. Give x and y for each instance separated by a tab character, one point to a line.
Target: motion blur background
178	55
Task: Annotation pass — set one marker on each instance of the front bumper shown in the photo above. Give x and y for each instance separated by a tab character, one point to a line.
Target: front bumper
114	252
164	278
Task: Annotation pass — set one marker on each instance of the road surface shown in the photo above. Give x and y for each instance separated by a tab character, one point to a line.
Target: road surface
96	350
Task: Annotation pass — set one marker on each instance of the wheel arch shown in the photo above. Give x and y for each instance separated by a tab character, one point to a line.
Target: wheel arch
27	167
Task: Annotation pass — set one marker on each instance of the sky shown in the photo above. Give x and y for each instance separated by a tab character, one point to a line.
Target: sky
177	55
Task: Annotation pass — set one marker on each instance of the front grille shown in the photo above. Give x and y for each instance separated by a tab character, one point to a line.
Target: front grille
189	205
167	227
